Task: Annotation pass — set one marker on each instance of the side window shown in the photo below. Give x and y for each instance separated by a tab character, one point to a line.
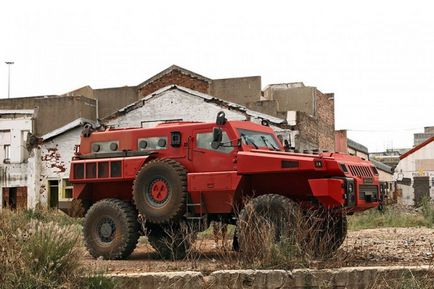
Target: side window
152	143
204	141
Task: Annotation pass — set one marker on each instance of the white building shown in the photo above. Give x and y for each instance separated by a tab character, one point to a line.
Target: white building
415	173
56	151
182	104
18	170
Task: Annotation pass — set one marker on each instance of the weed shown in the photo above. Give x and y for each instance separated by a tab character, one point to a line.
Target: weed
407	280
35	253
428	211
98	281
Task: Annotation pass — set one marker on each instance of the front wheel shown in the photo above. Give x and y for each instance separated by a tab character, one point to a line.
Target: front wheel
331	234
111	229
267	222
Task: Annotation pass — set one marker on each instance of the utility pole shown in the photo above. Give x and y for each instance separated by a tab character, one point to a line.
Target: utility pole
9	63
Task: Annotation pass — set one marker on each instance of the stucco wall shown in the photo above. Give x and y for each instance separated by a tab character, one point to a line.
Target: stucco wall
54	111
241	90
292	98
113	99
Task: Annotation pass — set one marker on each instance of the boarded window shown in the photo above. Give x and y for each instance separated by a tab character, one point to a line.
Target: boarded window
103	170
79	171
115	169
91	170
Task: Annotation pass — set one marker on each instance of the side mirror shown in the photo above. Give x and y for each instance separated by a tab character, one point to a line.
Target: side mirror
217	137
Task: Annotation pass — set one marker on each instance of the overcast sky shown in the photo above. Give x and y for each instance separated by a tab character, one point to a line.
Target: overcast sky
376	56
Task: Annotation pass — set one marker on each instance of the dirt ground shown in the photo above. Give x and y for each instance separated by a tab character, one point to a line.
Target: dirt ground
370	247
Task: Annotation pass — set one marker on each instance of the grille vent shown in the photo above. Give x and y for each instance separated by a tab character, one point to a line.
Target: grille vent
360	171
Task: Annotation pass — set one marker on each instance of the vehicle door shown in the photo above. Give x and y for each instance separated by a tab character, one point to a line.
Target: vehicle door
207	159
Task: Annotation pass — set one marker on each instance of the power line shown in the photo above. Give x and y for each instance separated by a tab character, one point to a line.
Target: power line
386	130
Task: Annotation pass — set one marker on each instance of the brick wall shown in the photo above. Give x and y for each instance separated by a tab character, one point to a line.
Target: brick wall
174	77
317	131
325	112
307	126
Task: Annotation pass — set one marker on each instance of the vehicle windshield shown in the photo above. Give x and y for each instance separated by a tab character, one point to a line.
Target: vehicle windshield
258	139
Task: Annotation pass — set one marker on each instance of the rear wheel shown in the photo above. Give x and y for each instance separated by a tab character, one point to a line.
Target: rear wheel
111	229
170	241
160	190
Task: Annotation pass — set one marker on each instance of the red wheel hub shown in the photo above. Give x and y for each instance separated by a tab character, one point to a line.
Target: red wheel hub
159	191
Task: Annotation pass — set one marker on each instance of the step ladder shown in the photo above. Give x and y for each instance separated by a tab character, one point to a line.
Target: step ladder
190	214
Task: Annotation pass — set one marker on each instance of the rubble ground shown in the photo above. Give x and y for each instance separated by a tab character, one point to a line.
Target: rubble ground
400	235
368	247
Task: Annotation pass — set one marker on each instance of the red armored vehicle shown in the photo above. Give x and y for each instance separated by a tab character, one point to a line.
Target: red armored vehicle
138	180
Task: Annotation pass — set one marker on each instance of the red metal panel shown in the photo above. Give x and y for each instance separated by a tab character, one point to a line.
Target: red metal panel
217	190
211	182
258	162
329	192
132	165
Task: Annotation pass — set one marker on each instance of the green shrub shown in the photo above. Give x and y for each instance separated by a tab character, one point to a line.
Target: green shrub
38	252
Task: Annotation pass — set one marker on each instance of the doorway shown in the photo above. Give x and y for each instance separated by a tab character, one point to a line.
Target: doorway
421	189
53	186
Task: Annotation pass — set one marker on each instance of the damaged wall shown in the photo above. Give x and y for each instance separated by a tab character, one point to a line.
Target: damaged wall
56	154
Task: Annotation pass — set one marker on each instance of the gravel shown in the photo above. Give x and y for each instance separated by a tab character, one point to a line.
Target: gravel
370	247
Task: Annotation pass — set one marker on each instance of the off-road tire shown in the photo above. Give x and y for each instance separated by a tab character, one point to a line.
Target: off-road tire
279	211
332	235
122	237
169	242
174	175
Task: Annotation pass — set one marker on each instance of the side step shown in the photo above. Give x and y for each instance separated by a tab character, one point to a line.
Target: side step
191	215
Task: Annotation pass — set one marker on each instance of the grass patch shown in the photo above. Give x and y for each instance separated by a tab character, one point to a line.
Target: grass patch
49	215
392	216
